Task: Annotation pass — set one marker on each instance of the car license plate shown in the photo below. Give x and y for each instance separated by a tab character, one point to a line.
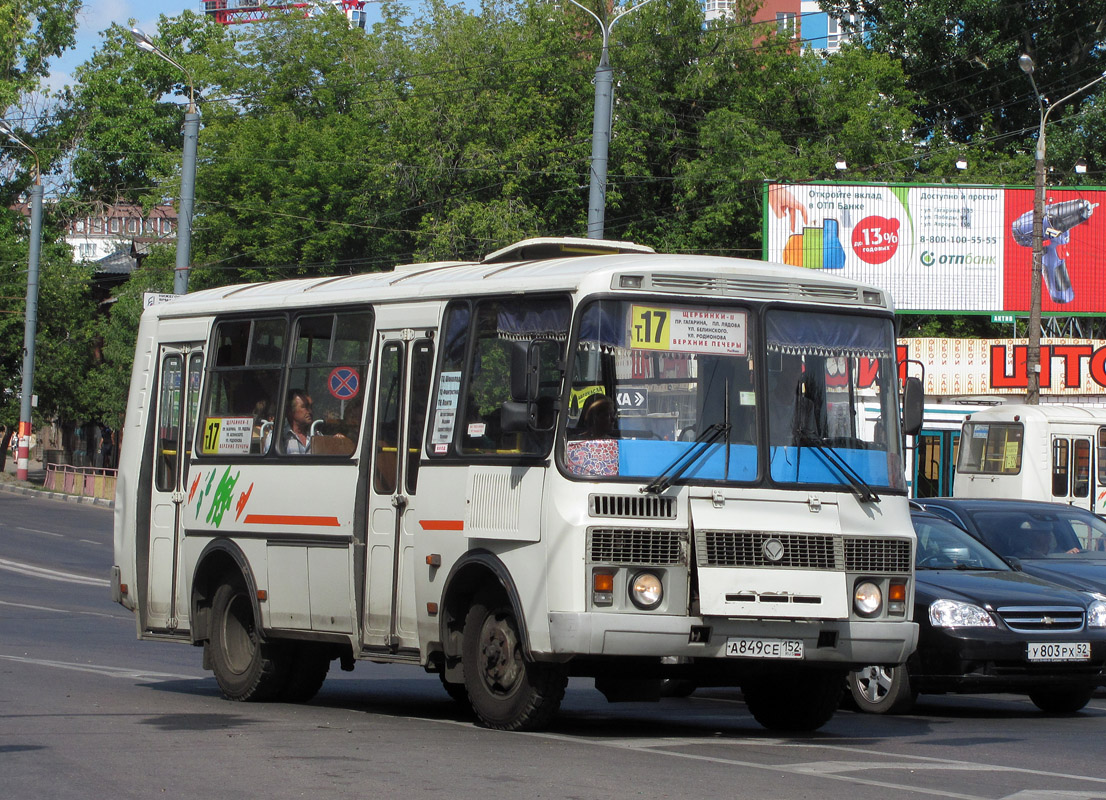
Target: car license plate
1059	651
764	648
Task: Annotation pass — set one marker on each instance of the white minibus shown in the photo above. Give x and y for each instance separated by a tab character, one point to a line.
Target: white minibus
570	458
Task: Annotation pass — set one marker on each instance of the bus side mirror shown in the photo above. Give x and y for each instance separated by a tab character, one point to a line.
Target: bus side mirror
525	365
913	406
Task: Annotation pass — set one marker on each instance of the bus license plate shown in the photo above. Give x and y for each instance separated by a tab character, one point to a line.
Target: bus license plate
1059	651
764	648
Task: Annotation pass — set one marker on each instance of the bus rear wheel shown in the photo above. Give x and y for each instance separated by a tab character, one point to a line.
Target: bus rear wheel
506	691
794	702
245	667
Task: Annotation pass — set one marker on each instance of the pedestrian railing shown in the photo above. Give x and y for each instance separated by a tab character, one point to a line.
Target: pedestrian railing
81	481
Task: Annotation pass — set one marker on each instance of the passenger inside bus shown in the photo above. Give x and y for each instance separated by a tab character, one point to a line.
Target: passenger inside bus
593	449
295	438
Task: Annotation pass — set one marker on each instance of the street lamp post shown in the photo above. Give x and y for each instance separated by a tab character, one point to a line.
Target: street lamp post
601	124
188	168
1033	356
30	325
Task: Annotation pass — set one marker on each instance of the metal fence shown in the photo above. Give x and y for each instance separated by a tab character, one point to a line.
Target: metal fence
81	481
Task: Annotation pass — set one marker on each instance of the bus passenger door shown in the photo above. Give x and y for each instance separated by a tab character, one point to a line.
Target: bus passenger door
181	368
404	366
1072	470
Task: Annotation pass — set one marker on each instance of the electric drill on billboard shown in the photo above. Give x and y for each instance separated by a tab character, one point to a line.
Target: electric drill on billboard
1058	221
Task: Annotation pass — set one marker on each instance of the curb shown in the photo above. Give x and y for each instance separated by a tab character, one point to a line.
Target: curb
31	491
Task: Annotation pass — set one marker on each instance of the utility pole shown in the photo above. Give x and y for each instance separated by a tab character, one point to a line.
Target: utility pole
30	325
601	123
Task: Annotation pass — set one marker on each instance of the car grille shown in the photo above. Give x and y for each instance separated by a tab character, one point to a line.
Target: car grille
803	551
637	546
1035	619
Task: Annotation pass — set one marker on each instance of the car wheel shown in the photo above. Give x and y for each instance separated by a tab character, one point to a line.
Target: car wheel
1061	701
882	690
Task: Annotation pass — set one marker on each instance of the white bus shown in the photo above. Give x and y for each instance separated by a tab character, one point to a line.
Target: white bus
572	458
1055	453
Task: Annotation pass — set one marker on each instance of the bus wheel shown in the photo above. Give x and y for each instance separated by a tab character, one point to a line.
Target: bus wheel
1061	701
805	703
307	669
882	690
245	667
506	692
456	691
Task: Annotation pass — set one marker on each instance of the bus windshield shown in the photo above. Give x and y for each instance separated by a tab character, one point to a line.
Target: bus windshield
733	394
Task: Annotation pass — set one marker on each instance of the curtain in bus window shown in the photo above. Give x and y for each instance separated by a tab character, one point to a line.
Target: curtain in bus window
823	334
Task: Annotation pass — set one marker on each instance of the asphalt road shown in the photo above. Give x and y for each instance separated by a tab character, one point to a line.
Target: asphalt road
88	711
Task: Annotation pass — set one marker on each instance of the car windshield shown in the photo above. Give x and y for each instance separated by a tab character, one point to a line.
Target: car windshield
942	545
1057	532
673	392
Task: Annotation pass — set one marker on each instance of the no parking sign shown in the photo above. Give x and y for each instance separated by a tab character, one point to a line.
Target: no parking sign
344	383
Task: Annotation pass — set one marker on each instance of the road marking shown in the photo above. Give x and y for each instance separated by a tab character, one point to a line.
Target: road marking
30	607
36	530
51	574
100	669
841	771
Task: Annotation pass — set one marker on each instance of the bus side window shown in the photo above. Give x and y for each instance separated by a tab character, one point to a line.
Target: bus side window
1060	467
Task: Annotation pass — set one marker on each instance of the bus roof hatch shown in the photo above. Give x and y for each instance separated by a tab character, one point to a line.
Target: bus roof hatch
561	247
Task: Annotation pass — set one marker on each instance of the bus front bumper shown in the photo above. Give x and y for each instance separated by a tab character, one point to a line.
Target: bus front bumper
844	642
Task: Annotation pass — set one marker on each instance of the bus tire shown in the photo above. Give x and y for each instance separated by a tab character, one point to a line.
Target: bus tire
245	667
456	691
1061	701
882	690
307	669
804	703
506	691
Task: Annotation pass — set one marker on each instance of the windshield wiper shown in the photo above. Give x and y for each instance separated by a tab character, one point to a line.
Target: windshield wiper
683	462
864	492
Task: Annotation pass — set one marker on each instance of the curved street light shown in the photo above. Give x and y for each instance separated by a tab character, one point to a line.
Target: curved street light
30	325
188	167
601	124
1033	356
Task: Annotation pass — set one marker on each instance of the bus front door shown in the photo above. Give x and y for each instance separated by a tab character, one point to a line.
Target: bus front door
404	365
180	371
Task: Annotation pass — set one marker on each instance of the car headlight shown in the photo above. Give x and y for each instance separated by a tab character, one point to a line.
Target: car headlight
1096	615
646	591
954	614
867	599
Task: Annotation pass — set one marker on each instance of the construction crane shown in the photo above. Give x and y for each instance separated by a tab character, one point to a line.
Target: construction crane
235	12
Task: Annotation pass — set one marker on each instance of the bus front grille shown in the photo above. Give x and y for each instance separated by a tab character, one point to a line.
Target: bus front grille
877	555
632	506
748	549
637	546
773	549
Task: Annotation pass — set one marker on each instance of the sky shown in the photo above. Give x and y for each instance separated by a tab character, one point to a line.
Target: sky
97	15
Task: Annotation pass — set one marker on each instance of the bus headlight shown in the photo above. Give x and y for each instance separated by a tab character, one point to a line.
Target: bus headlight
646	591
867	599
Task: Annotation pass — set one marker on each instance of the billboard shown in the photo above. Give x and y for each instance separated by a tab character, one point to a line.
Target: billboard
947	247
963	367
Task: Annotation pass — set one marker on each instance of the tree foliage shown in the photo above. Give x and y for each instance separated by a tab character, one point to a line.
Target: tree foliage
446	132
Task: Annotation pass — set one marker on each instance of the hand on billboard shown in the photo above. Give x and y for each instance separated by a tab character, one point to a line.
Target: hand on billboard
781	201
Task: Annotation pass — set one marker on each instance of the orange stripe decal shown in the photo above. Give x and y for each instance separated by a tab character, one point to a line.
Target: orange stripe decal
442	524
288	519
